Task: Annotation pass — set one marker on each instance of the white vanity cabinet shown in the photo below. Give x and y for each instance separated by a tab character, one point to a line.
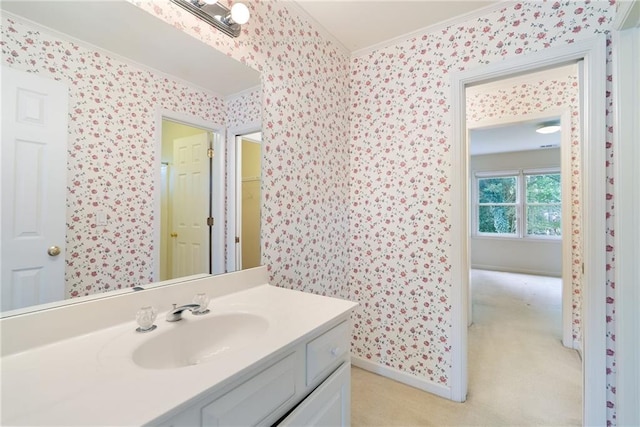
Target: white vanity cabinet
305	384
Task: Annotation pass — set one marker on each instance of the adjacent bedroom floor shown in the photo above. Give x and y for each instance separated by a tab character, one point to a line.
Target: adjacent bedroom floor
519	371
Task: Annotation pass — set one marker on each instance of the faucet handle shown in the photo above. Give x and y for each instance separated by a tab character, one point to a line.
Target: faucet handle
203	301
145	318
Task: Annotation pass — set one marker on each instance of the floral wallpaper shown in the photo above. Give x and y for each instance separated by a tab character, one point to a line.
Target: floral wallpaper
305	182
533	97
111	152
244	108
401	130
357	162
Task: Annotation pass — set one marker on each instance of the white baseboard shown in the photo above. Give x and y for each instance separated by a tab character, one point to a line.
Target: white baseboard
577	346
516	270
402	377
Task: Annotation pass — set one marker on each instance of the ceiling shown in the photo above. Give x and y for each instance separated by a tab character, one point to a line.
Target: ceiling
359	24
520	136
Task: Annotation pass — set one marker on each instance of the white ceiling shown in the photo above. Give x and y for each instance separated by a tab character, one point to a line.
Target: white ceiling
126	30
359	24
121	28
520	136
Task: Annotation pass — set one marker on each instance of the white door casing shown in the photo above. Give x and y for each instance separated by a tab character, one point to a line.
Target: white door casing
593	52
190	205
34	185
626	128
217	198
234	186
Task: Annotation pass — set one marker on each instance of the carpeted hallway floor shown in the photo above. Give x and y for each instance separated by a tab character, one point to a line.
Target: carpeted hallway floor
519	372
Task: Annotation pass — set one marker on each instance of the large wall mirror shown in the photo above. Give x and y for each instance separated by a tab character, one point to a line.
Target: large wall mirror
113	122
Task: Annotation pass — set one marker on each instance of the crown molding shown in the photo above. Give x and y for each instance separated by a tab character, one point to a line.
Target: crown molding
431	28
292	5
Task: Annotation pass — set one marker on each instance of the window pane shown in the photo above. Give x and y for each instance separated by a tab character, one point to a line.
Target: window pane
497	190
543	188
497	219
544	220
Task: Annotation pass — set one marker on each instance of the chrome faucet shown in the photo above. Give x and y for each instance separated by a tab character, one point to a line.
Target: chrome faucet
175	313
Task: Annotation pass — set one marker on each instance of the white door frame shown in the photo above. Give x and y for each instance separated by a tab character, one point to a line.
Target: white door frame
565	170
233	202
626	128
593	53
217	200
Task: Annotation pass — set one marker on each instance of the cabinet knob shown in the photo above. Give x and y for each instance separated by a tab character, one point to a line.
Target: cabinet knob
335	351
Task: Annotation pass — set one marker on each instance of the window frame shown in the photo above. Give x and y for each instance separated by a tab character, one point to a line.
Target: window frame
521	203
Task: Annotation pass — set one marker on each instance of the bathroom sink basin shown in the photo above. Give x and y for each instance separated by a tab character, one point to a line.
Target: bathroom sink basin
199	340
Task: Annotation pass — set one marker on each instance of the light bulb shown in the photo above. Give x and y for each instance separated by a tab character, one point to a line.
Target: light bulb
240	13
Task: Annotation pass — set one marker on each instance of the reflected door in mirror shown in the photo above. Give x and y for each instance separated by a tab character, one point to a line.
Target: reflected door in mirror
34	169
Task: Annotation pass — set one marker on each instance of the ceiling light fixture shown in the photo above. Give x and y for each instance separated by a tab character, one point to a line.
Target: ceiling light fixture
210	11
548	127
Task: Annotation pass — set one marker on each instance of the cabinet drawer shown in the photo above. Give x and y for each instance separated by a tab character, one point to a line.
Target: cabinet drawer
256	399
327	351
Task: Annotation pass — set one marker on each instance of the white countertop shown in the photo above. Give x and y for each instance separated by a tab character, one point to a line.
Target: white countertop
91	379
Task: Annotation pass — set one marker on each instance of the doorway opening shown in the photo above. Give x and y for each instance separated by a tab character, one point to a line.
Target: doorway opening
248	200
190	198
593	54
524	241
525	189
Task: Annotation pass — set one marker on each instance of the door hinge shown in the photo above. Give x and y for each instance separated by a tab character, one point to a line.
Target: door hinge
210	221
210	153
237	240
583	268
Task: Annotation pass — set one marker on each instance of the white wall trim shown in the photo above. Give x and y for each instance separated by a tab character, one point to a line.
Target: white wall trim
232	184
627	14
567	235
403	377
626	93
593	52
217	243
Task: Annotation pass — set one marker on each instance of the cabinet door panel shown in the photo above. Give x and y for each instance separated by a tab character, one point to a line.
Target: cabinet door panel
328	405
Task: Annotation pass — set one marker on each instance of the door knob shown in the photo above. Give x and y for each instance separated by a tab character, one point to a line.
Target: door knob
174	234
53	251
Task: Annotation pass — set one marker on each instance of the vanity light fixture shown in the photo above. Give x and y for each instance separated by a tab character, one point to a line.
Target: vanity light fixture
548	127
210	11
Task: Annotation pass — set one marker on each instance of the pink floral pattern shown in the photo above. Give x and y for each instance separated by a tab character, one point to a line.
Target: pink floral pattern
111	152
357	162
531	97
244	108
305	182
400	256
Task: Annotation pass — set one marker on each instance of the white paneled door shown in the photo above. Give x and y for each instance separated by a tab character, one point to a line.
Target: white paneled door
33	191
190	209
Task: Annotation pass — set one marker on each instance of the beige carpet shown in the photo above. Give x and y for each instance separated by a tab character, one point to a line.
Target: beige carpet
519	372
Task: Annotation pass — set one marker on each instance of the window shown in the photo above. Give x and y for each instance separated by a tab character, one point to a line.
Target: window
518	203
